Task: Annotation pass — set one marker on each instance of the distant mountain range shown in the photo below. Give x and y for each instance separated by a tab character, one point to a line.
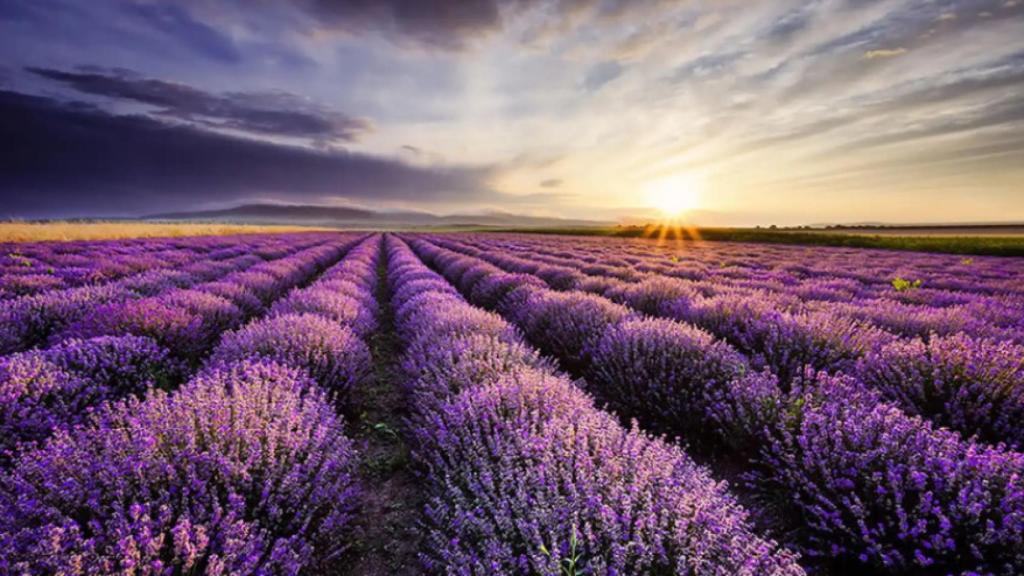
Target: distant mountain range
350	217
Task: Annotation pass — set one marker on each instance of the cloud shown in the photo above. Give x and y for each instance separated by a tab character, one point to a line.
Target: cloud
788	25
262	113
551	183
446	24
884	53
459	24
708	65
73	159
174	21
991	115
601	74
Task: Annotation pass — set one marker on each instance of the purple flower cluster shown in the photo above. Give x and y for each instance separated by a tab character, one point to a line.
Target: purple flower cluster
186	322
524	472
119	350
41	391
968	384
664	373
875	486
331	353
245	470
344	293
319	328
39	267
782	341
189	322
867	404
957	294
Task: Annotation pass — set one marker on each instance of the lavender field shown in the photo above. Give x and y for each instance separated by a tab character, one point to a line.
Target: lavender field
354	403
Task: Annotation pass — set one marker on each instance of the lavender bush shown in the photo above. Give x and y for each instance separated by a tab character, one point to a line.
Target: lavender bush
332	354
57	388
246	470
968	384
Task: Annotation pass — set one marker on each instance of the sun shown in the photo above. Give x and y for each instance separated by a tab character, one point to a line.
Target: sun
674	196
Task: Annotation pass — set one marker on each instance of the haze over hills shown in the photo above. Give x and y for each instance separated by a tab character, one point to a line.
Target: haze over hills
353	217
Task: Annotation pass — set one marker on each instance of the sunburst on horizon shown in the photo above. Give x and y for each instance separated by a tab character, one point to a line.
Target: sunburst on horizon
675	197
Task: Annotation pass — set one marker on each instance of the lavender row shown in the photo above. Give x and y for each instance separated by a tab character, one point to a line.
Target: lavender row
30	321
189	321
320	327
865	482
33	268
527	476
970	384
857	273
900	308
41	267
128	349
244	470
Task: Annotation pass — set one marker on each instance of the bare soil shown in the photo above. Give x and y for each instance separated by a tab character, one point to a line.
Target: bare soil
387	534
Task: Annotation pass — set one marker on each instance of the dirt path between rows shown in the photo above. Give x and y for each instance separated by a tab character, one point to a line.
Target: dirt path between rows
387	534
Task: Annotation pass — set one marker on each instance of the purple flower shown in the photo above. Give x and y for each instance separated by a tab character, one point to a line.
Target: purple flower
524	471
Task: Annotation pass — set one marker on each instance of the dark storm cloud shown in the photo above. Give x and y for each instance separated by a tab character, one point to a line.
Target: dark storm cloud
60	159
271	113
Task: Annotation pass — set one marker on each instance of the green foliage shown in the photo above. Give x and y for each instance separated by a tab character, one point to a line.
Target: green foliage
569	566
974	245
902	285
385	429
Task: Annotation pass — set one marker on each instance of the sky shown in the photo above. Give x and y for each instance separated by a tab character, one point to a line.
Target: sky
733	112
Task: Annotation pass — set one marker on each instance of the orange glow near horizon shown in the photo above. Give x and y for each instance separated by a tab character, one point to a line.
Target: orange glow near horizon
674	230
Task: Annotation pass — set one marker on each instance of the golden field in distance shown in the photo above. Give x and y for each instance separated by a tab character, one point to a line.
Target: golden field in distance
67	230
